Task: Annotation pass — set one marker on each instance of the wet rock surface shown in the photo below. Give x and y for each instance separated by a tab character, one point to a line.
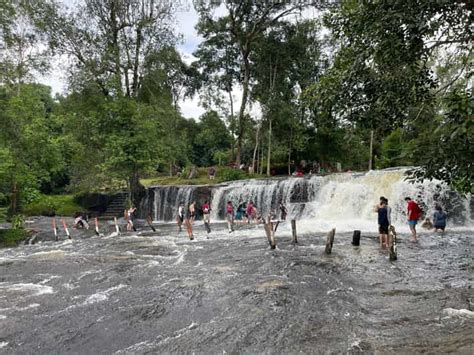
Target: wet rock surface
160	292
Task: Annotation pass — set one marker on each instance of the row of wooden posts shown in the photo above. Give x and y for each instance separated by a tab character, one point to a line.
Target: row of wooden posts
270	230
272	226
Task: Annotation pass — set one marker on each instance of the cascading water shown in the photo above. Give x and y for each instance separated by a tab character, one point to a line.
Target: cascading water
345	200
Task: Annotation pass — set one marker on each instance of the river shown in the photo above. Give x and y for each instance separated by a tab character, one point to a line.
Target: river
159	292
230	293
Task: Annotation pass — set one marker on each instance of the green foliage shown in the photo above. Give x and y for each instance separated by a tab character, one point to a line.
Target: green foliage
18	221
61	205
395	150
229	174
12	237
446	152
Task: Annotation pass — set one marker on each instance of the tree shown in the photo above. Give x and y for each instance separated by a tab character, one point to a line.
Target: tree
113	44
31	153
382	78
241	27
444	151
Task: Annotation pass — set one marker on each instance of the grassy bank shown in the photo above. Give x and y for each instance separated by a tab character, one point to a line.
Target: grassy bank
223	174
49	205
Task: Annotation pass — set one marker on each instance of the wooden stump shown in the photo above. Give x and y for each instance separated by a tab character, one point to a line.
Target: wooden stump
330	241
392	237
356	238
293	230
66	229
117	228
55	229
96	226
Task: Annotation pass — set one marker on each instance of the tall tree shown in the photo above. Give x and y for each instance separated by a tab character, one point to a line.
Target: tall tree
109	43
243	24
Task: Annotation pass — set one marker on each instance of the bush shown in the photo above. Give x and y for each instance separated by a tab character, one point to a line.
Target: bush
62	205
18	221
229	174
11	237
3	199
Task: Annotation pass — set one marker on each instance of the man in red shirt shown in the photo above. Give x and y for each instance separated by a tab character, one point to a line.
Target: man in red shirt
413	215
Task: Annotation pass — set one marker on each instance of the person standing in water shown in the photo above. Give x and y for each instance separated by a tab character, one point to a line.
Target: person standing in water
192	211
206	216
229	215
180	216
413	215
130	217
439	219
250	210
384	222
283	211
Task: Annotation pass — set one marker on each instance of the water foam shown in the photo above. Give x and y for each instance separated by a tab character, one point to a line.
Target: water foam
35	289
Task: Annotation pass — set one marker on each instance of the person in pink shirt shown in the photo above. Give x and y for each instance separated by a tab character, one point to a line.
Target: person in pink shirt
250	210
229	215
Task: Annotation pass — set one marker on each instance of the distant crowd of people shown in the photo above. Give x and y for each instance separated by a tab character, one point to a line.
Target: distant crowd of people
248	213
245	213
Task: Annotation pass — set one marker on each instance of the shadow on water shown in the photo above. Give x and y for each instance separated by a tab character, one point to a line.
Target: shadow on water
231	293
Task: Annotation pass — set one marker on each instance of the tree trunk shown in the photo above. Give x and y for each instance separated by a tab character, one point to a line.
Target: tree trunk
136	189
269	152
255	151
289	152
243	106
14	198
371	148
232	124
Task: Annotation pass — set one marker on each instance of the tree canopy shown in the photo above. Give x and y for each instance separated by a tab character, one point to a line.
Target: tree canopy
326	77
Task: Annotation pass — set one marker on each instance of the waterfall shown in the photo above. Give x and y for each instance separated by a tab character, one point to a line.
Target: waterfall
320	202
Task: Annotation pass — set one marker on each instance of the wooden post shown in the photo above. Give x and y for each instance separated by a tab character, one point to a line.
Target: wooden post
392	237
356	238
371	148
330	241
117	229
96	220
150	223
293	230
55	229
66	229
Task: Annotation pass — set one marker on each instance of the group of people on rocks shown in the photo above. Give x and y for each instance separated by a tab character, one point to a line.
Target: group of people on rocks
245	213
414	214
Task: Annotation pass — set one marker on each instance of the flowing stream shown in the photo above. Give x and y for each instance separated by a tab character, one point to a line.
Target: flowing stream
159	292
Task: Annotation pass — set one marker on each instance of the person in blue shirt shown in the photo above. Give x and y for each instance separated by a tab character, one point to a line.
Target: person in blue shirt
439	219
384	221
